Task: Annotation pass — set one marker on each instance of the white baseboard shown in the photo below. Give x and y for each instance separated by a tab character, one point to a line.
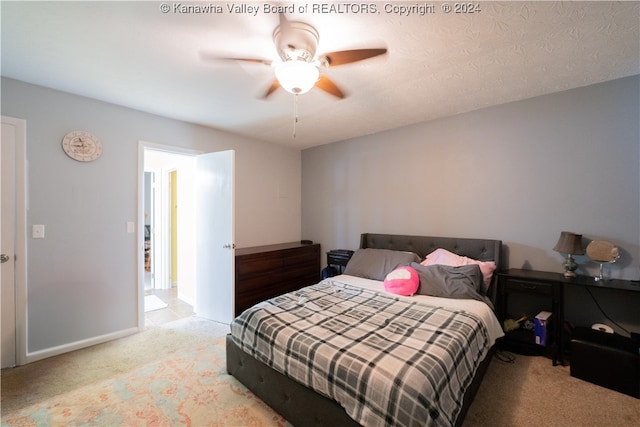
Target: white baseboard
77	345
183	298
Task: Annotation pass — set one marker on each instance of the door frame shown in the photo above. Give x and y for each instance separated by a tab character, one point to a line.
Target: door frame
142	146
172	176
20	230
157	214
150	211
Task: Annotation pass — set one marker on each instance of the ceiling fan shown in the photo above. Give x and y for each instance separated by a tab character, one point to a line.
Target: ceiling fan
298	69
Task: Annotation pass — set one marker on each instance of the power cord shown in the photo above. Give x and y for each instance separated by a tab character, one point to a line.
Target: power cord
603	312
505	356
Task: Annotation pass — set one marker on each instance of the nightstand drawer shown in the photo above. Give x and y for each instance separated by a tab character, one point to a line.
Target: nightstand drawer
339	257
528	286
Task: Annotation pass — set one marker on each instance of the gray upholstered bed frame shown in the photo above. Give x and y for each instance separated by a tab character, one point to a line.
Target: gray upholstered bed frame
302	406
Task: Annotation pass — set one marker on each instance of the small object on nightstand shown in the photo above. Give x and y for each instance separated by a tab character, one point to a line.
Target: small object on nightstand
602	252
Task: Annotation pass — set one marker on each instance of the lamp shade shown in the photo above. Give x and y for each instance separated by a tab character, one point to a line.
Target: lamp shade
297	76
569	243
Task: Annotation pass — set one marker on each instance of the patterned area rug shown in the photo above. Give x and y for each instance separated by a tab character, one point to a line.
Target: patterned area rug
190	388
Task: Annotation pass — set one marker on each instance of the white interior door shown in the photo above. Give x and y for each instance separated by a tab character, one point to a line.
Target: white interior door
7	237
215	275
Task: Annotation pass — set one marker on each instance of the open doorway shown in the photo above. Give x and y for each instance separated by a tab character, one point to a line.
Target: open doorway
205	194
169	232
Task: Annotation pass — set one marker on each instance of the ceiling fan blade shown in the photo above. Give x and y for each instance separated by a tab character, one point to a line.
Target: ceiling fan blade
274	85
213	57
347	56
327	85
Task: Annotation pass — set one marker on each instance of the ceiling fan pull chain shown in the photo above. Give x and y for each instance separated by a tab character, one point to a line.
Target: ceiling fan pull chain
295	114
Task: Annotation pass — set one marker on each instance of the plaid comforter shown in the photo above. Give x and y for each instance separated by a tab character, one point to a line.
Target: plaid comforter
387	361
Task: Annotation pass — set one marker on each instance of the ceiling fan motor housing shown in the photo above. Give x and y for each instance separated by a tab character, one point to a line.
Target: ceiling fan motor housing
296	41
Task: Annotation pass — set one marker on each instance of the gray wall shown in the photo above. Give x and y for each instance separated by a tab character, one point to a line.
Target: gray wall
82	278
520	172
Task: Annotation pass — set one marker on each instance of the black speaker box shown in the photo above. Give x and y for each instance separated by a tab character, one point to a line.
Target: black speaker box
608	360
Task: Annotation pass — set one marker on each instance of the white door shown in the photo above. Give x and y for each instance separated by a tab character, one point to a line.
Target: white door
215	261
7	236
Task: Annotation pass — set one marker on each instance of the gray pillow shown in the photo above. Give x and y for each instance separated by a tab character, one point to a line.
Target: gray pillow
377	263
464	282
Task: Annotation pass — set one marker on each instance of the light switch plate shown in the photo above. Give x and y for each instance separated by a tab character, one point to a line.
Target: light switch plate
37	231
131	227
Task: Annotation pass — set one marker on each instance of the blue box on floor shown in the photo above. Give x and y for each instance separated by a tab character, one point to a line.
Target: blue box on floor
540	327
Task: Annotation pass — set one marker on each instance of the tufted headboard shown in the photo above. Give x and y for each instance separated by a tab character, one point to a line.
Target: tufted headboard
480	249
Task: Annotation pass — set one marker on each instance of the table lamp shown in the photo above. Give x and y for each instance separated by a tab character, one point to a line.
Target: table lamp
570	244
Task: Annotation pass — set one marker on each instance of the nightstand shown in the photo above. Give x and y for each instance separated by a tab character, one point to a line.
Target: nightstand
338	258
527	292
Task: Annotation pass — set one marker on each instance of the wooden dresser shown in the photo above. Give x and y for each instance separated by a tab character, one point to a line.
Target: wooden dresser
263	272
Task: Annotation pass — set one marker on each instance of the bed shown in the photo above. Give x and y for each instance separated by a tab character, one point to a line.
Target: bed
271	358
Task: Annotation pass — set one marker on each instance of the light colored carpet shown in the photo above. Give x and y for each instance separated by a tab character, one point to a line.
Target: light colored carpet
175	374
152	303
532	392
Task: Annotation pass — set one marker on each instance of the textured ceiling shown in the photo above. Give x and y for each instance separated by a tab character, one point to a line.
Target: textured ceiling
438	64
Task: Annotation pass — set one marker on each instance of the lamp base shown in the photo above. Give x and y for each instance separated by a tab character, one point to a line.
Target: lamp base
570	267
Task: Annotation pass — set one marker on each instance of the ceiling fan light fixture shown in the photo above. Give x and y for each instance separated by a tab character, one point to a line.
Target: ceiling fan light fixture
297	76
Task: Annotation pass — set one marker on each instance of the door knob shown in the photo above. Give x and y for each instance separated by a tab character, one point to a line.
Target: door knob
4	258
229	246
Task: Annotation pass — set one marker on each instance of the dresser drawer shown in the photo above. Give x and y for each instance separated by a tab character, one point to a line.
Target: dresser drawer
262	282
304	256
265	272
257	264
